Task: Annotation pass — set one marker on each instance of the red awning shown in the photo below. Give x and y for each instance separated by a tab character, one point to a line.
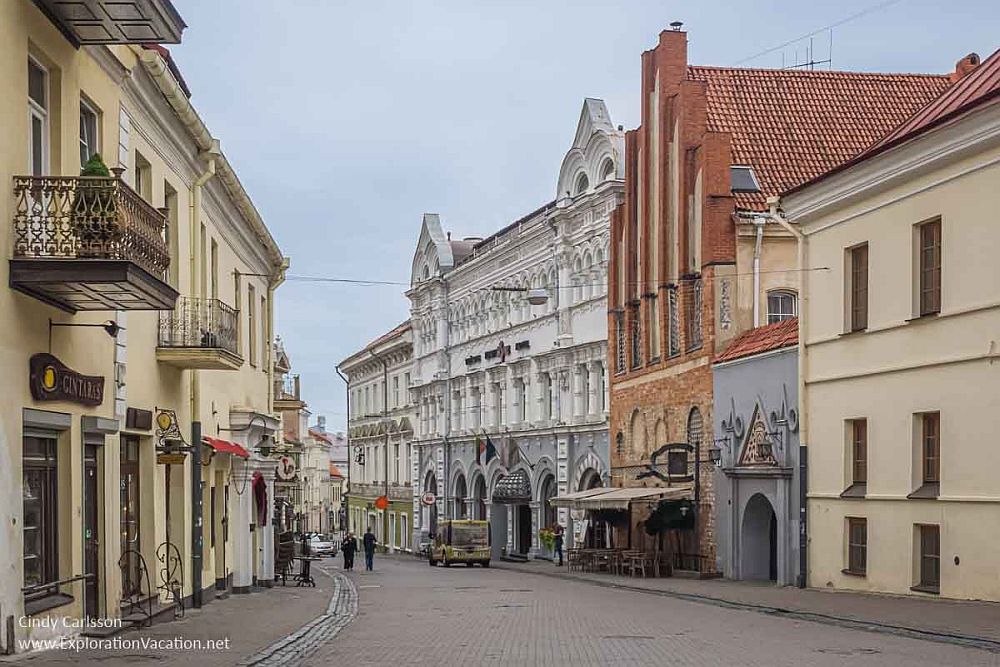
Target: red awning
225	447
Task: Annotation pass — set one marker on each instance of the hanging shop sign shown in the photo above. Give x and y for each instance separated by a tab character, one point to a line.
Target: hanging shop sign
52	380
428	498
382	503
176	458
286	469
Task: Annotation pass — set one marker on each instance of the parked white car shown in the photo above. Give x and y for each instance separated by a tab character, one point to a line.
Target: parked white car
322	545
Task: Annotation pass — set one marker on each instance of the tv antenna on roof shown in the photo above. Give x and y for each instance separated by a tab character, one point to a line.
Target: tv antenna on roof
810	61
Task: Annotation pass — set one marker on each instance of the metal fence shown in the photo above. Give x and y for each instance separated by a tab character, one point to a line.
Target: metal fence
197	322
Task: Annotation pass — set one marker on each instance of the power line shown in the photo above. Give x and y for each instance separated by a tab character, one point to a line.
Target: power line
375	283
852	17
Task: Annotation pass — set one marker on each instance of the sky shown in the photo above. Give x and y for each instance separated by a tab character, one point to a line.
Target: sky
347	121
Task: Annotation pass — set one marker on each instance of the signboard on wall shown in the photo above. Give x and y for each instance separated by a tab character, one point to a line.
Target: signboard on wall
52	380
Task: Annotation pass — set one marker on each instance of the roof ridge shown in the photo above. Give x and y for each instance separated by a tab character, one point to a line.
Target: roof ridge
805	72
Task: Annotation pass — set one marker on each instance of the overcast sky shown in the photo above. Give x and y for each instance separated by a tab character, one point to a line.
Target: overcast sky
346	121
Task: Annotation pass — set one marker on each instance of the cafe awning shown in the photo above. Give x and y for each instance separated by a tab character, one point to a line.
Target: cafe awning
616	499
225	447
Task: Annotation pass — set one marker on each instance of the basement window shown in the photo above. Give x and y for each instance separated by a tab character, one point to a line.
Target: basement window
743	178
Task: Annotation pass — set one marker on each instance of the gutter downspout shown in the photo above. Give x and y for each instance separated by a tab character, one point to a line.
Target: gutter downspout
803	366
197	510
759	224
345	497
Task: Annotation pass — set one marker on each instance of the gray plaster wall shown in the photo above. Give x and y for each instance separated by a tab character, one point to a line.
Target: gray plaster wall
767	382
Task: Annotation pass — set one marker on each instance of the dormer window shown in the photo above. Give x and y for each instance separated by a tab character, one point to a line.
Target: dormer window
743	178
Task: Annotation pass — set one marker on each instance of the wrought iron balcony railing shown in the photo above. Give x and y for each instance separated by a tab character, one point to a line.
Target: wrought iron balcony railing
286	388
199	323
87	217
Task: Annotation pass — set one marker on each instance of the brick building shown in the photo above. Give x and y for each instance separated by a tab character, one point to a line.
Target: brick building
695	261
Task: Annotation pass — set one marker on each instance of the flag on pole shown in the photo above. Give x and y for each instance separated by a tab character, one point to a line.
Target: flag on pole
490	449
513	452
480	448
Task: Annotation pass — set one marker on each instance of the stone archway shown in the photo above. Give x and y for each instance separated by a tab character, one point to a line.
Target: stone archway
429	518
461	492
479	498
759	540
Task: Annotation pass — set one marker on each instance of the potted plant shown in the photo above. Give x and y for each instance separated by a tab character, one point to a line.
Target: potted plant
547	537
94	217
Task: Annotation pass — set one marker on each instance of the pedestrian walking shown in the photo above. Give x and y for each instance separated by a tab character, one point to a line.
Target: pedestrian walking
369	542
349	547
559	543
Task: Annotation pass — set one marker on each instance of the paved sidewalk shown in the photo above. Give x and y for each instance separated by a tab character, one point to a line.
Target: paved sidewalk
251	623
952	621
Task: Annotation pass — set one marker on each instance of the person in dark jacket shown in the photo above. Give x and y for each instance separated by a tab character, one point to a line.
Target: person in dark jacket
369	544
349	547
559	541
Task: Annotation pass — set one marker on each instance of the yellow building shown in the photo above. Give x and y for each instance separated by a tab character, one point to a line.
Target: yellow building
901	401
136	324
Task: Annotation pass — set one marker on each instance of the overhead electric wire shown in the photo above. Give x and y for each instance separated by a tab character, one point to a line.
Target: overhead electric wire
631	283
852	17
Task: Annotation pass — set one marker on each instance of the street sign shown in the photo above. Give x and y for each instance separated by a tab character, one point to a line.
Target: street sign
170	458
382	502
428	498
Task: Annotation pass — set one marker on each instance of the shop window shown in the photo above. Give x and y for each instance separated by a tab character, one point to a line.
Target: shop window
40	522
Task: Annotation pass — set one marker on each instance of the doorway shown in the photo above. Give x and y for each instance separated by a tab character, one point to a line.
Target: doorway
523	529
91	535
759	541
131	574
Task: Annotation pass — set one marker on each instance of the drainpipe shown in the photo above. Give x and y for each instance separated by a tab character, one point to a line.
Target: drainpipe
345	499
197	511
803	366
759	224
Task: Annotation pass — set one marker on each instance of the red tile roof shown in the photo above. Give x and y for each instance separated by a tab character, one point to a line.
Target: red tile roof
793	125
762	339
335	472
979	86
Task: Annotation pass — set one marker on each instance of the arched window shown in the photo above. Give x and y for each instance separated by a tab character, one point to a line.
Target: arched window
582	184
638	436
607	169
694	427
782	304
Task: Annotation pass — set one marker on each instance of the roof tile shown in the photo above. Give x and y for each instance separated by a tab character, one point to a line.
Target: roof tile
762	339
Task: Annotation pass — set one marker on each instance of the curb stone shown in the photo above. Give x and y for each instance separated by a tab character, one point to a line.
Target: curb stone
294	648
968	641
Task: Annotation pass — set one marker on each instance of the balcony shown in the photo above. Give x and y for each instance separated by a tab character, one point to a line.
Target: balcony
88	22
199	333
287	394
88	243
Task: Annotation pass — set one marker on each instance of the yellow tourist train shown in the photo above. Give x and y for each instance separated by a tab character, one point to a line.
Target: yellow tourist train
461	542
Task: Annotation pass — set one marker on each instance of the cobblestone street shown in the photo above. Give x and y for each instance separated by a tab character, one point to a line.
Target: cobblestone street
406	612
412	614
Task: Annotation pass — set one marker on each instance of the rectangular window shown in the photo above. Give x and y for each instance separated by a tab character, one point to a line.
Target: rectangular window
40	522
930	438
263	333
859	451
252	324
142	177
38	118
395	463
171	231
930	558
395	391
930	268
781	305
859	288
857	546
88	132
130	513
215	269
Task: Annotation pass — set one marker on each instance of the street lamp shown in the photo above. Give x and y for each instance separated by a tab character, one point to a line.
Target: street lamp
537	296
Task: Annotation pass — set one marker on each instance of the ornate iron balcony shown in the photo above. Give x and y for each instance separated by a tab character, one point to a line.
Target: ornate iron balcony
200	333
74	237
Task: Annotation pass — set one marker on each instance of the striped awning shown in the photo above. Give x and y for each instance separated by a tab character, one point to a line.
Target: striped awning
616	499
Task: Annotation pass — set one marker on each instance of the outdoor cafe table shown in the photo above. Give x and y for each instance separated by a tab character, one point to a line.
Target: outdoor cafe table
644	562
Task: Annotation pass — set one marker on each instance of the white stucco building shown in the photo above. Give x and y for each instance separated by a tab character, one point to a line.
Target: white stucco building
531	378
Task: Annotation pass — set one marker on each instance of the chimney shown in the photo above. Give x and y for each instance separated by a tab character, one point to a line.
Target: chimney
964	66
321	422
